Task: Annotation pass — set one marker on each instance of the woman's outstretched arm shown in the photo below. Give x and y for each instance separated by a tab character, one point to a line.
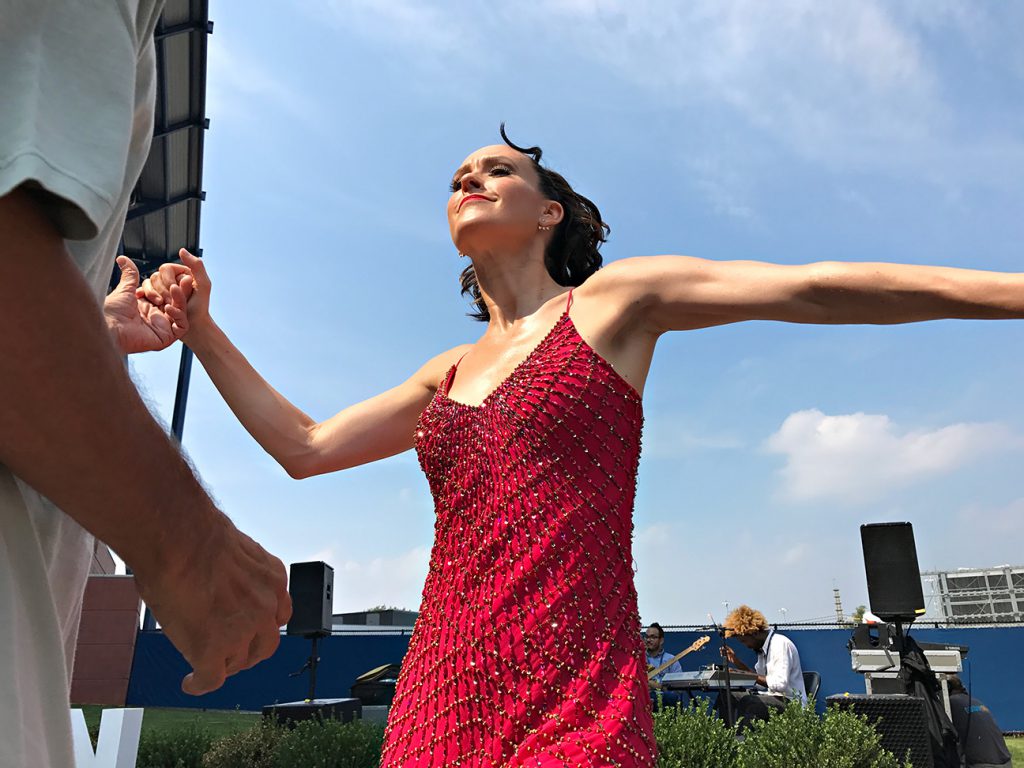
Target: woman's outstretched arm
681	292
373	429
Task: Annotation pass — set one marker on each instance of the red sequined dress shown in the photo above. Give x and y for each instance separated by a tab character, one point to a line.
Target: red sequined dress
527	650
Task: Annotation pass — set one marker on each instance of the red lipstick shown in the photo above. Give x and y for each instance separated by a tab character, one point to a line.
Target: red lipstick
469	197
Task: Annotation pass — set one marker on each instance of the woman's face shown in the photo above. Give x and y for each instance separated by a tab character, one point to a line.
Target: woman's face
496	198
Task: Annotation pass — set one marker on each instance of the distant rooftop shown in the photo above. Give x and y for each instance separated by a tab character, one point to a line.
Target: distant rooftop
383	618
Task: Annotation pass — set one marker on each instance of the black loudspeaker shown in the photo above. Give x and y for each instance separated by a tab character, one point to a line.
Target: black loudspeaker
311	586
901	722
894	579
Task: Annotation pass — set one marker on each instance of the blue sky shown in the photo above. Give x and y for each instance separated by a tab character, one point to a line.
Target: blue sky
791	132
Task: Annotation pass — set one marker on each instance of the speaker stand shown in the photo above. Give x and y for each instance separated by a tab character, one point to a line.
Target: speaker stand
311	663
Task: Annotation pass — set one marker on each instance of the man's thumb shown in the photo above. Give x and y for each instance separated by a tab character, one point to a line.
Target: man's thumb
129	274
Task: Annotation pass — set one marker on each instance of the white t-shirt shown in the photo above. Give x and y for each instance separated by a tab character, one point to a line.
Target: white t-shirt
77	87
779	662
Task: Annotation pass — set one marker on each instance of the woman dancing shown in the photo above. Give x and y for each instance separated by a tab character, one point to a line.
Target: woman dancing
527	649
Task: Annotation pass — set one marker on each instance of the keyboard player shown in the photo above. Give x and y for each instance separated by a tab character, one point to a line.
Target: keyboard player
779	675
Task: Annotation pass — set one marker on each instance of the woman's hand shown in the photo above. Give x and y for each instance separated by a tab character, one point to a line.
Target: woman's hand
184	285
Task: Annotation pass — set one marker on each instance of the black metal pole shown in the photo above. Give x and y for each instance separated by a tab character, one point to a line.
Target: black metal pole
181	393
728	682
313	659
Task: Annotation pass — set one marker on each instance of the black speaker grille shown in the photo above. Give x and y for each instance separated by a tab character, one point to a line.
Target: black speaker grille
894	579
900	721
310	586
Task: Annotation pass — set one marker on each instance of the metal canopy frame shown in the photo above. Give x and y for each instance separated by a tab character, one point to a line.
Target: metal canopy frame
164	211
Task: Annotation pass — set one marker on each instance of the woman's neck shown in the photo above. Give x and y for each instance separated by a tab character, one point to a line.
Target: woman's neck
514	286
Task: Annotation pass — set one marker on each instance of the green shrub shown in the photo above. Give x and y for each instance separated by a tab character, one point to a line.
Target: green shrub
181	747
254	748
693	737
791	738
330	744
797	738
94	733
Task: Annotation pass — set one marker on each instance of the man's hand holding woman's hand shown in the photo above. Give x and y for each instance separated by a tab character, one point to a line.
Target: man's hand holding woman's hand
137	324
181	290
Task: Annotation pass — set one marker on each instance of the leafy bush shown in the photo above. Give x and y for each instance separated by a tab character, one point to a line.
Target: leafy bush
793	738
788	739
254	748
693	737
797	738
330	744
852	742
181	747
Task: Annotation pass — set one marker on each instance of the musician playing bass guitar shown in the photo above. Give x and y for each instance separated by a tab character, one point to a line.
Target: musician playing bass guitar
654	642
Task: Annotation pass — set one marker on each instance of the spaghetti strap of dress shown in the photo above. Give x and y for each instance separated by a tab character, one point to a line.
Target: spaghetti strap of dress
451	375
568	302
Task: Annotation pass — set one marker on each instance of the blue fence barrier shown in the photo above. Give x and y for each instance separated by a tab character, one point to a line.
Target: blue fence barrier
993	667
158	668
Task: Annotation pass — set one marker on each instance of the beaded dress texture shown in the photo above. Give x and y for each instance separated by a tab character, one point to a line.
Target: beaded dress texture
527	650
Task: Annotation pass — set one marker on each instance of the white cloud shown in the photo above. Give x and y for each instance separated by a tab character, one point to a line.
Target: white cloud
240	86
1003	521
418	26
818	77
724	189
845	86
794	555
683	575
394	580
860	457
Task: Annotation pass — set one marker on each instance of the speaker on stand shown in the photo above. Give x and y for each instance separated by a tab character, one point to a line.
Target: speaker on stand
311	587
894	578
914	718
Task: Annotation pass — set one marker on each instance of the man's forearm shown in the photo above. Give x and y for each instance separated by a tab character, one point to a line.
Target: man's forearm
71	422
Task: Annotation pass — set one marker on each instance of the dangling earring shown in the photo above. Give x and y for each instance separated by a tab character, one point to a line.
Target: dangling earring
462	255
543	229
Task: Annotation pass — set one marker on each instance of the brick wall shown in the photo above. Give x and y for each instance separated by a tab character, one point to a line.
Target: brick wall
106	641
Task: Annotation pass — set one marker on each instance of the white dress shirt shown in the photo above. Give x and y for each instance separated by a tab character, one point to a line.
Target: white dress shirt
779	663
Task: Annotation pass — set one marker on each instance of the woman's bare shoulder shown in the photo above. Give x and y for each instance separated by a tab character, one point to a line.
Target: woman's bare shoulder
643	269
435	369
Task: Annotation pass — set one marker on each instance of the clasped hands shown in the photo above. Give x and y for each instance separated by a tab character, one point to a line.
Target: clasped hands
139	323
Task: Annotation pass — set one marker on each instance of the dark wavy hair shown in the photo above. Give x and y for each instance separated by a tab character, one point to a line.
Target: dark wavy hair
572	253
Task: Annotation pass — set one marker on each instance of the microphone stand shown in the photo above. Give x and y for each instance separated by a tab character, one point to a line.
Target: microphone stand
725	673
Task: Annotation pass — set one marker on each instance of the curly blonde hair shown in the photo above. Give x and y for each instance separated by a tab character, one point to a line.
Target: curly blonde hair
744	621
